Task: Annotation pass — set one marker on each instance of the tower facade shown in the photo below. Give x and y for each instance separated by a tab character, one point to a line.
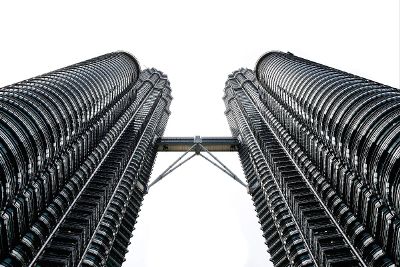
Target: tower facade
320	151
76	152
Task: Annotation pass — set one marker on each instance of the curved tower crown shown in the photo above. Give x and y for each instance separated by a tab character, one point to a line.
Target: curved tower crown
76	152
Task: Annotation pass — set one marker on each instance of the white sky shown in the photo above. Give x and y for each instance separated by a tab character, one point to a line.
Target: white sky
198	216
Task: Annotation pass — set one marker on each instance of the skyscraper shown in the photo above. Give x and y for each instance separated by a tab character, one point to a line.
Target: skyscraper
320	151
76	151
319	148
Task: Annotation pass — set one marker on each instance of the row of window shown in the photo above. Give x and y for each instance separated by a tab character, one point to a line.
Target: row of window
302	201
274	214
27	206
369	209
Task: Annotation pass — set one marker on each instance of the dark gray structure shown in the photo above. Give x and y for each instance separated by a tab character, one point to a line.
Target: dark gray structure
76	151
320	150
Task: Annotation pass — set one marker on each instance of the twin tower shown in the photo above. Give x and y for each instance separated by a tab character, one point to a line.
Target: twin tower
320	149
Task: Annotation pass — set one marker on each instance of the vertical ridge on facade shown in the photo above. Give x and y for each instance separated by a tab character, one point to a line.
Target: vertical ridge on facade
297	252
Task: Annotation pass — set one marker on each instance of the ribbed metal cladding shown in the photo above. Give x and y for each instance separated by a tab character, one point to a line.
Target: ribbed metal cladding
77	148
349	128
336	136
306	230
